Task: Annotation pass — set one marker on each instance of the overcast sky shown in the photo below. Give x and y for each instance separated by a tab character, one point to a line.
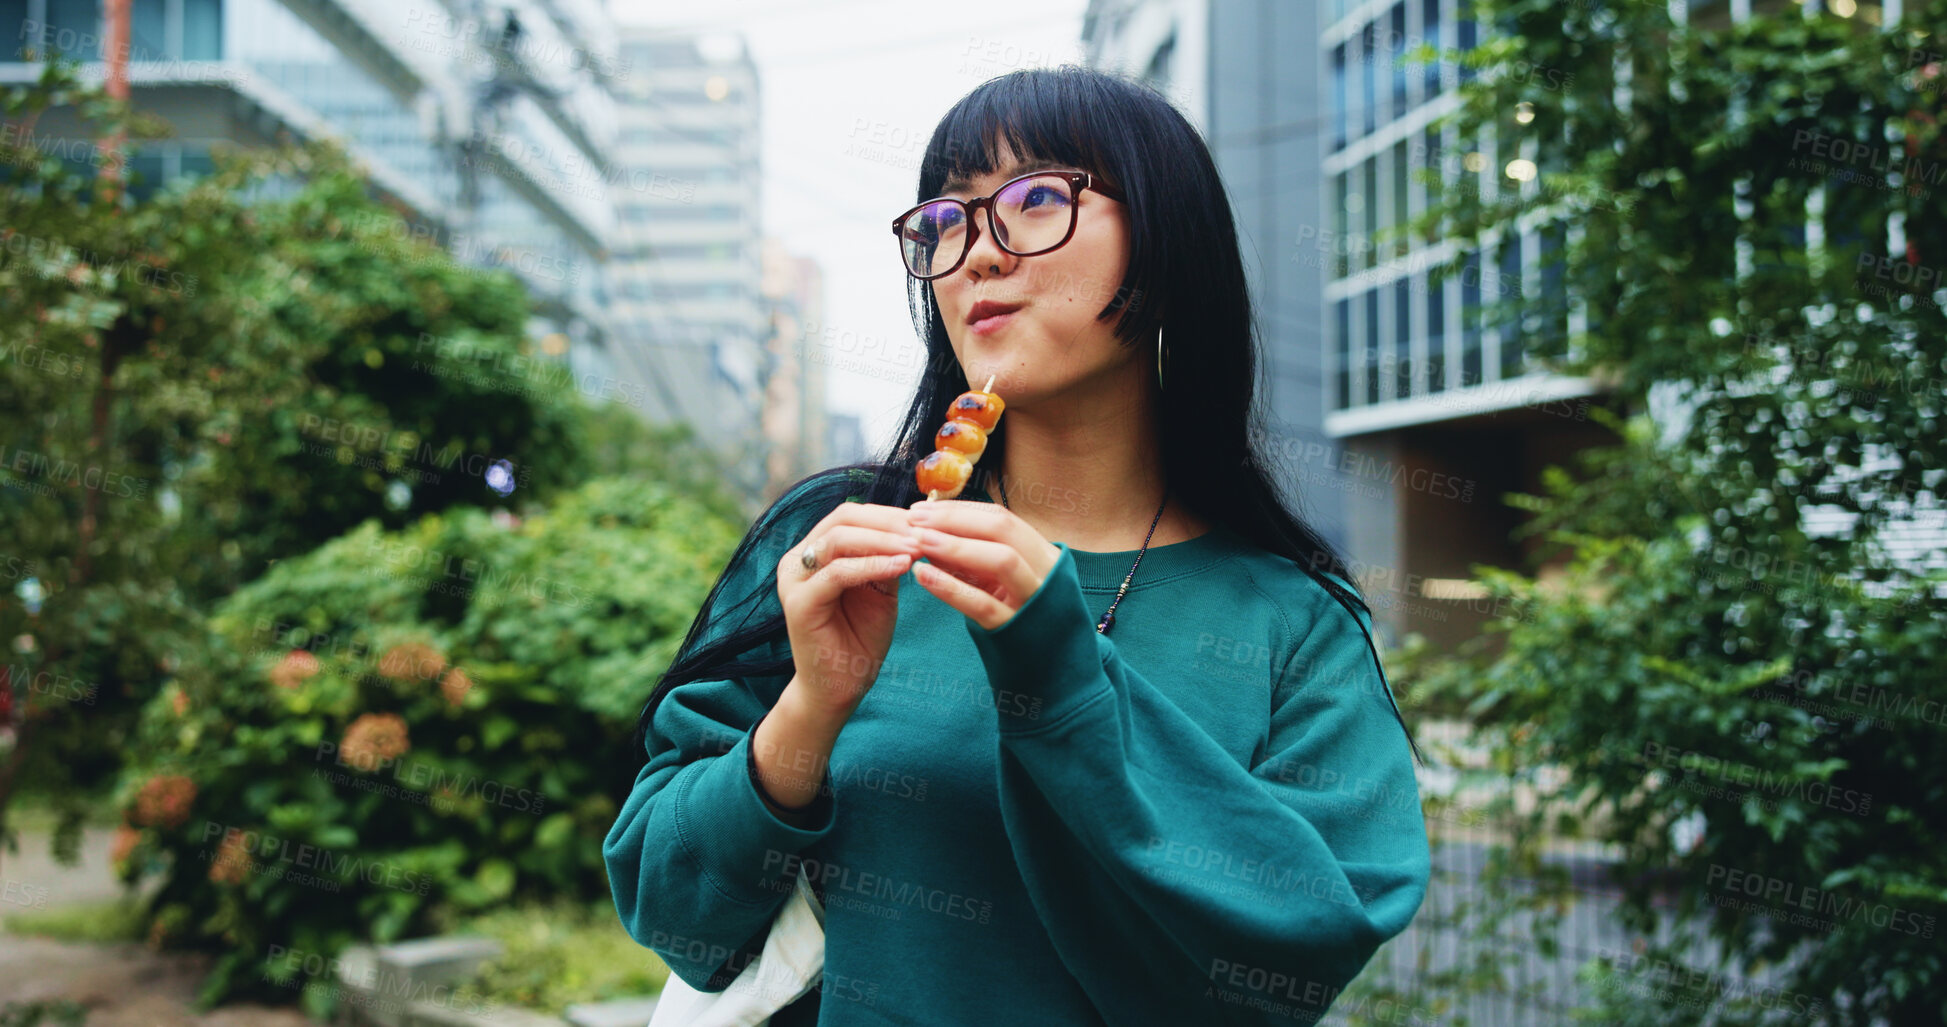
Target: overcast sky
851	91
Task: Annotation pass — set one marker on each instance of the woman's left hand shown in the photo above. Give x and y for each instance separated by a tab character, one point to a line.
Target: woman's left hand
985	561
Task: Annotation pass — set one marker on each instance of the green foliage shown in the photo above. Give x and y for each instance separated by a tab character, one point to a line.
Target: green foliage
561	953
55	1013
404	726
1737	680
113	921
198	381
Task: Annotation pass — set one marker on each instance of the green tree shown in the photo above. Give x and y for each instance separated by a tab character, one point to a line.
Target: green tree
1743	671
201	380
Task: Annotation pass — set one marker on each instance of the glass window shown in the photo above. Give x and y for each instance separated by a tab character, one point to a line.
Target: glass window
202	30
147	40
1470	321
1432	32
1368	75
1341	223
13	15
1435	164
1467	41
83	18
1372	345
1436	332
1402	340
1396	49
1342	315
146	170
1371	194
1554	287
1402	210
197	162
1507	290
1339	99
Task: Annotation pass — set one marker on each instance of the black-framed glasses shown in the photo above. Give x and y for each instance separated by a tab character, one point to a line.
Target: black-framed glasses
1029	215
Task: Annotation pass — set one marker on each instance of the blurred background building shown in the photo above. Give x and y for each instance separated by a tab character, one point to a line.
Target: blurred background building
1399	413
487	123
615	172
1402	407
693	307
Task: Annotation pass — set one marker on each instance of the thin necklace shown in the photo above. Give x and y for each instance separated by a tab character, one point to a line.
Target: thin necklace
1108	617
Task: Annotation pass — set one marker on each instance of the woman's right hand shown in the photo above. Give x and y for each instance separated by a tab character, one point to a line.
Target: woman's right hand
839	617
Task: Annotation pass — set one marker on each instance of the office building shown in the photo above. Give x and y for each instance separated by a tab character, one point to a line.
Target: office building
486	121
688	275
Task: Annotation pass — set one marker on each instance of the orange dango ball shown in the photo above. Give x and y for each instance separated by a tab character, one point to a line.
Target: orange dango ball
982	408
963	437
943	473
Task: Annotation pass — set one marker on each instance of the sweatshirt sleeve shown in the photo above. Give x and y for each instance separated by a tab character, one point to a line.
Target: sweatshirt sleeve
1244	895
698	864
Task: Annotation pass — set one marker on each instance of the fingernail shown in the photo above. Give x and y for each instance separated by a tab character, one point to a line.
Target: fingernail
920	513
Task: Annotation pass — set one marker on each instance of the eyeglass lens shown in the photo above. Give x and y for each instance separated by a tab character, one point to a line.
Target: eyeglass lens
1030	216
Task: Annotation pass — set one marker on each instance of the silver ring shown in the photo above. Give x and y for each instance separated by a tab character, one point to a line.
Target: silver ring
808	557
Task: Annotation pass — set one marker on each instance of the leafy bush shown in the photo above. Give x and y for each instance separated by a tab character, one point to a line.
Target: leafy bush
562	953
402	727
198	381
1736	681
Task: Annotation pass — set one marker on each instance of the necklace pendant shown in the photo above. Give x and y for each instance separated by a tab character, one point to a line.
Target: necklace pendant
1107	622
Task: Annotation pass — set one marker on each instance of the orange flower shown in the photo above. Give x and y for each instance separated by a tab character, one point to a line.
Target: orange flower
232	861
297	667
373	740
119	850
412	661
163	801
455	685
179	701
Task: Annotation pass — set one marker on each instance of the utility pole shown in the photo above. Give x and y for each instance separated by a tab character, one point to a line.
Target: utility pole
114	54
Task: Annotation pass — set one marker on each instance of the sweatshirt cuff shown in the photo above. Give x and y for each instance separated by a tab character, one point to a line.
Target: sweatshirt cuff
1046	661
743	848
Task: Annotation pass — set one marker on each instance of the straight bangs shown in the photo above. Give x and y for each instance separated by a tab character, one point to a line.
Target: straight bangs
1064	116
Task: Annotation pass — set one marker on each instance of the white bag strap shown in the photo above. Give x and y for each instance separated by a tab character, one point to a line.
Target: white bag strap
791	965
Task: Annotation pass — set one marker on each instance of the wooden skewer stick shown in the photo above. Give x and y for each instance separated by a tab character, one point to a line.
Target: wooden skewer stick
932	494
989	387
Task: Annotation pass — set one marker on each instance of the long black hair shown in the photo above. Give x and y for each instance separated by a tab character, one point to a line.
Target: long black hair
1184	265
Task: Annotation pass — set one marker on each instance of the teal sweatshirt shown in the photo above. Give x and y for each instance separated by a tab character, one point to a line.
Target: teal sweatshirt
1207	816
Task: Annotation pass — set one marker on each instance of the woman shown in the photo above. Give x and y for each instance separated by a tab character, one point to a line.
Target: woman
1203	811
